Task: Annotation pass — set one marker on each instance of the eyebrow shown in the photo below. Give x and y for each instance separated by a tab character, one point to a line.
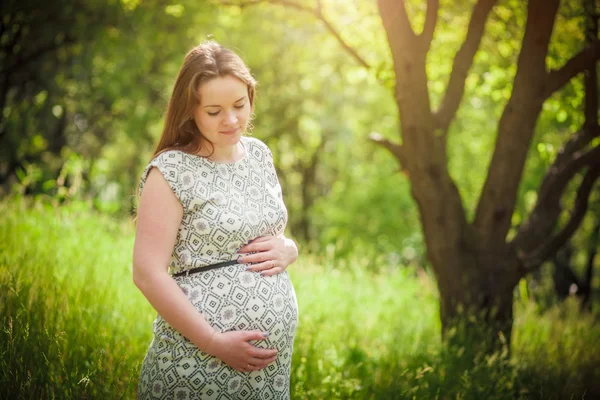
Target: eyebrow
216	105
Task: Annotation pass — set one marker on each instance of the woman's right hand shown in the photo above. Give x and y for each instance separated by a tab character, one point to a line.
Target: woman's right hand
235	350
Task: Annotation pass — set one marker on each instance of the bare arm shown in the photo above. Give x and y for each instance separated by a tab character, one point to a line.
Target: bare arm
159	217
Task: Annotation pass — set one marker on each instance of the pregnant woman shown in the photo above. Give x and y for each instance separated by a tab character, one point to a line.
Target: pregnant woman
209	254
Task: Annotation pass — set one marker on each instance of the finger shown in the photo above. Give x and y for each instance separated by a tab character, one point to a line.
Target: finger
255	335
255	367
263	353
263	266
272	271
245	368
262	362
262	238
256	246
257	257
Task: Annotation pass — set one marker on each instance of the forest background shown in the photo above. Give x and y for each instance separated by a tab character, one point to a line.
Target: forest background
84	88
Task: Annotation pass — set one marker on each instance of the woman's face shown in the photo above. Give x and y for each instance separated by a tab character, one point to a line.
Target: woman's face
224	110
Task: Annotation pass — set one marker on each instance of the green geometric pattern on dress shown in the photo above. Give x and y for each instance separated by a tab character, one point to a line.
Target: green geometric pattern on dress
225	206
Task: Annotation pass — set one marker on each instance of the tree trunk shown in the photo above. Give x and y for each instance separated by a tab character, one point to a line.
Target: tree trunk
308	191
476	267
476	288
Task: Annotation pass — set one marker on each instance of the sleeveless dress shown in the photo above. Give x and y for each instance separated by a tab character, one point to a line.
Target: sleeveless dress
225	205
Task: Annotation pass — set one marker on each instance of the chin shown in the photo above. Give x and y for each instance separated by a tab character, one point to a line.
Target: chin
230	139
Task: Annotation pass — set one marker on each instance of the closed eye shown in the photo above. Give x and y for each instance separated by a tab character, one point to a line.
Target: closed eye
214	114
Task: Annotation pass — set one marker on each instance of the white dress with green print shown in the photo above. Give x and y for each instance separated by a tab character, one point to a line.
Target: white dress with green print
225	205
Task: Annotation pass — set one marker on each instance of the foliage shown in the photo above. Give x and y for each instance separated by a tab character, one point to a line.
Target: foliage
81	120
75	326
84	88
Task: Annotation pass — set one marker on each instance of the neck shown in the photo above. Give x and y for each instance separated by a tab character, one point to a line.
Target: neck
223	154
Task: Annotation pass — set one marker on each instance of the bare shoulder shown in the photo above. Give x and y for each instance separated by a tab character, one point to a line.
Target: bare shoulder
169	164
158	219
157	193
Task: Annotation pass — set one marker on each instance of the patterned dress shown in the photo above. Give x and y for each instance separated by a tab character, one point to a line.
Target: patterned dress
225	205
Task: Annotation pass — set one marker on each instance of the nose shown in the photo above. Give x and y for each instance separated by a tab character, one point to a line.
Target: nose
230	118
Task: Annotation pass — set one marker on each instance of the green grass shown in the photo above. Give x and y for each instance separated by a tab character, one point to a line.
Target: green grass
74	326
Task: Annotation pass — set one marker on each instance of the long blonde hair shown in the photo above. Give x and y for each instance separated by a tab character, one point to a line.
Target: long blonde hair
204	62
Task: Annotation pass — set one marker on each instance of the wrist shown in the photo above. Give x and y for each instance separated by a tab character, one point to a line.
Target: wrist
209	346
292	250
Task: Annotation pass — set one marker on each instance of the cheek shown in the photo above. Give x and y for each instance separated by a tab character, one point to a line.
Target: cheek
246	114
205	124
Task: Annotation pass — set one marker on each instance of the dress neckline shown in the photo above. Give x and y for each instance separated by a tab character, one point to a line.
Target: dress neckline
224	163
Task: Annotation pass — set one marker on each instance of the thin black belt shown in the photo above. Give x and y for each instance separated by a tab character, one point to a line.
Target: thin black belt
205	268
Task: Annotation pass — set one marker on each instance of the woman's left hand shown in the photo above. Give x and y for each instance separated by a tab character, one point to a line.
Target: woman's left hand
272	255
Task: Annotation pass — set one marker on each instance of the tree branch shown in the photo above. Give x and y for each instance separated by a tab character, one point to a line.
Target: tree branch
430	22
343	43
591	74
516	127
395	18
585	59
569	160
543	218
550	247
396	149
407	54
317	12
565	156
23	60
462	64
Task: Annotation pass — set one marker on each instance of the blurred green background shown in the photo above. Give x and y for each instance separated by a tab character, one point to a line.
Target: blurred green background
84	88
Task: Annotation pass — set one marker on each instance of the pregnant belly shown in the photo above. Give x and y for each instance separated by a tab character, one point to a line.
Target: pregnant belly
233	299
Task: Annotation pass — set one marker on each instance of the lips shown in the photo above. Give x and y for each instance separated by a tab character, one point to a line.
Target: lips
230	132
